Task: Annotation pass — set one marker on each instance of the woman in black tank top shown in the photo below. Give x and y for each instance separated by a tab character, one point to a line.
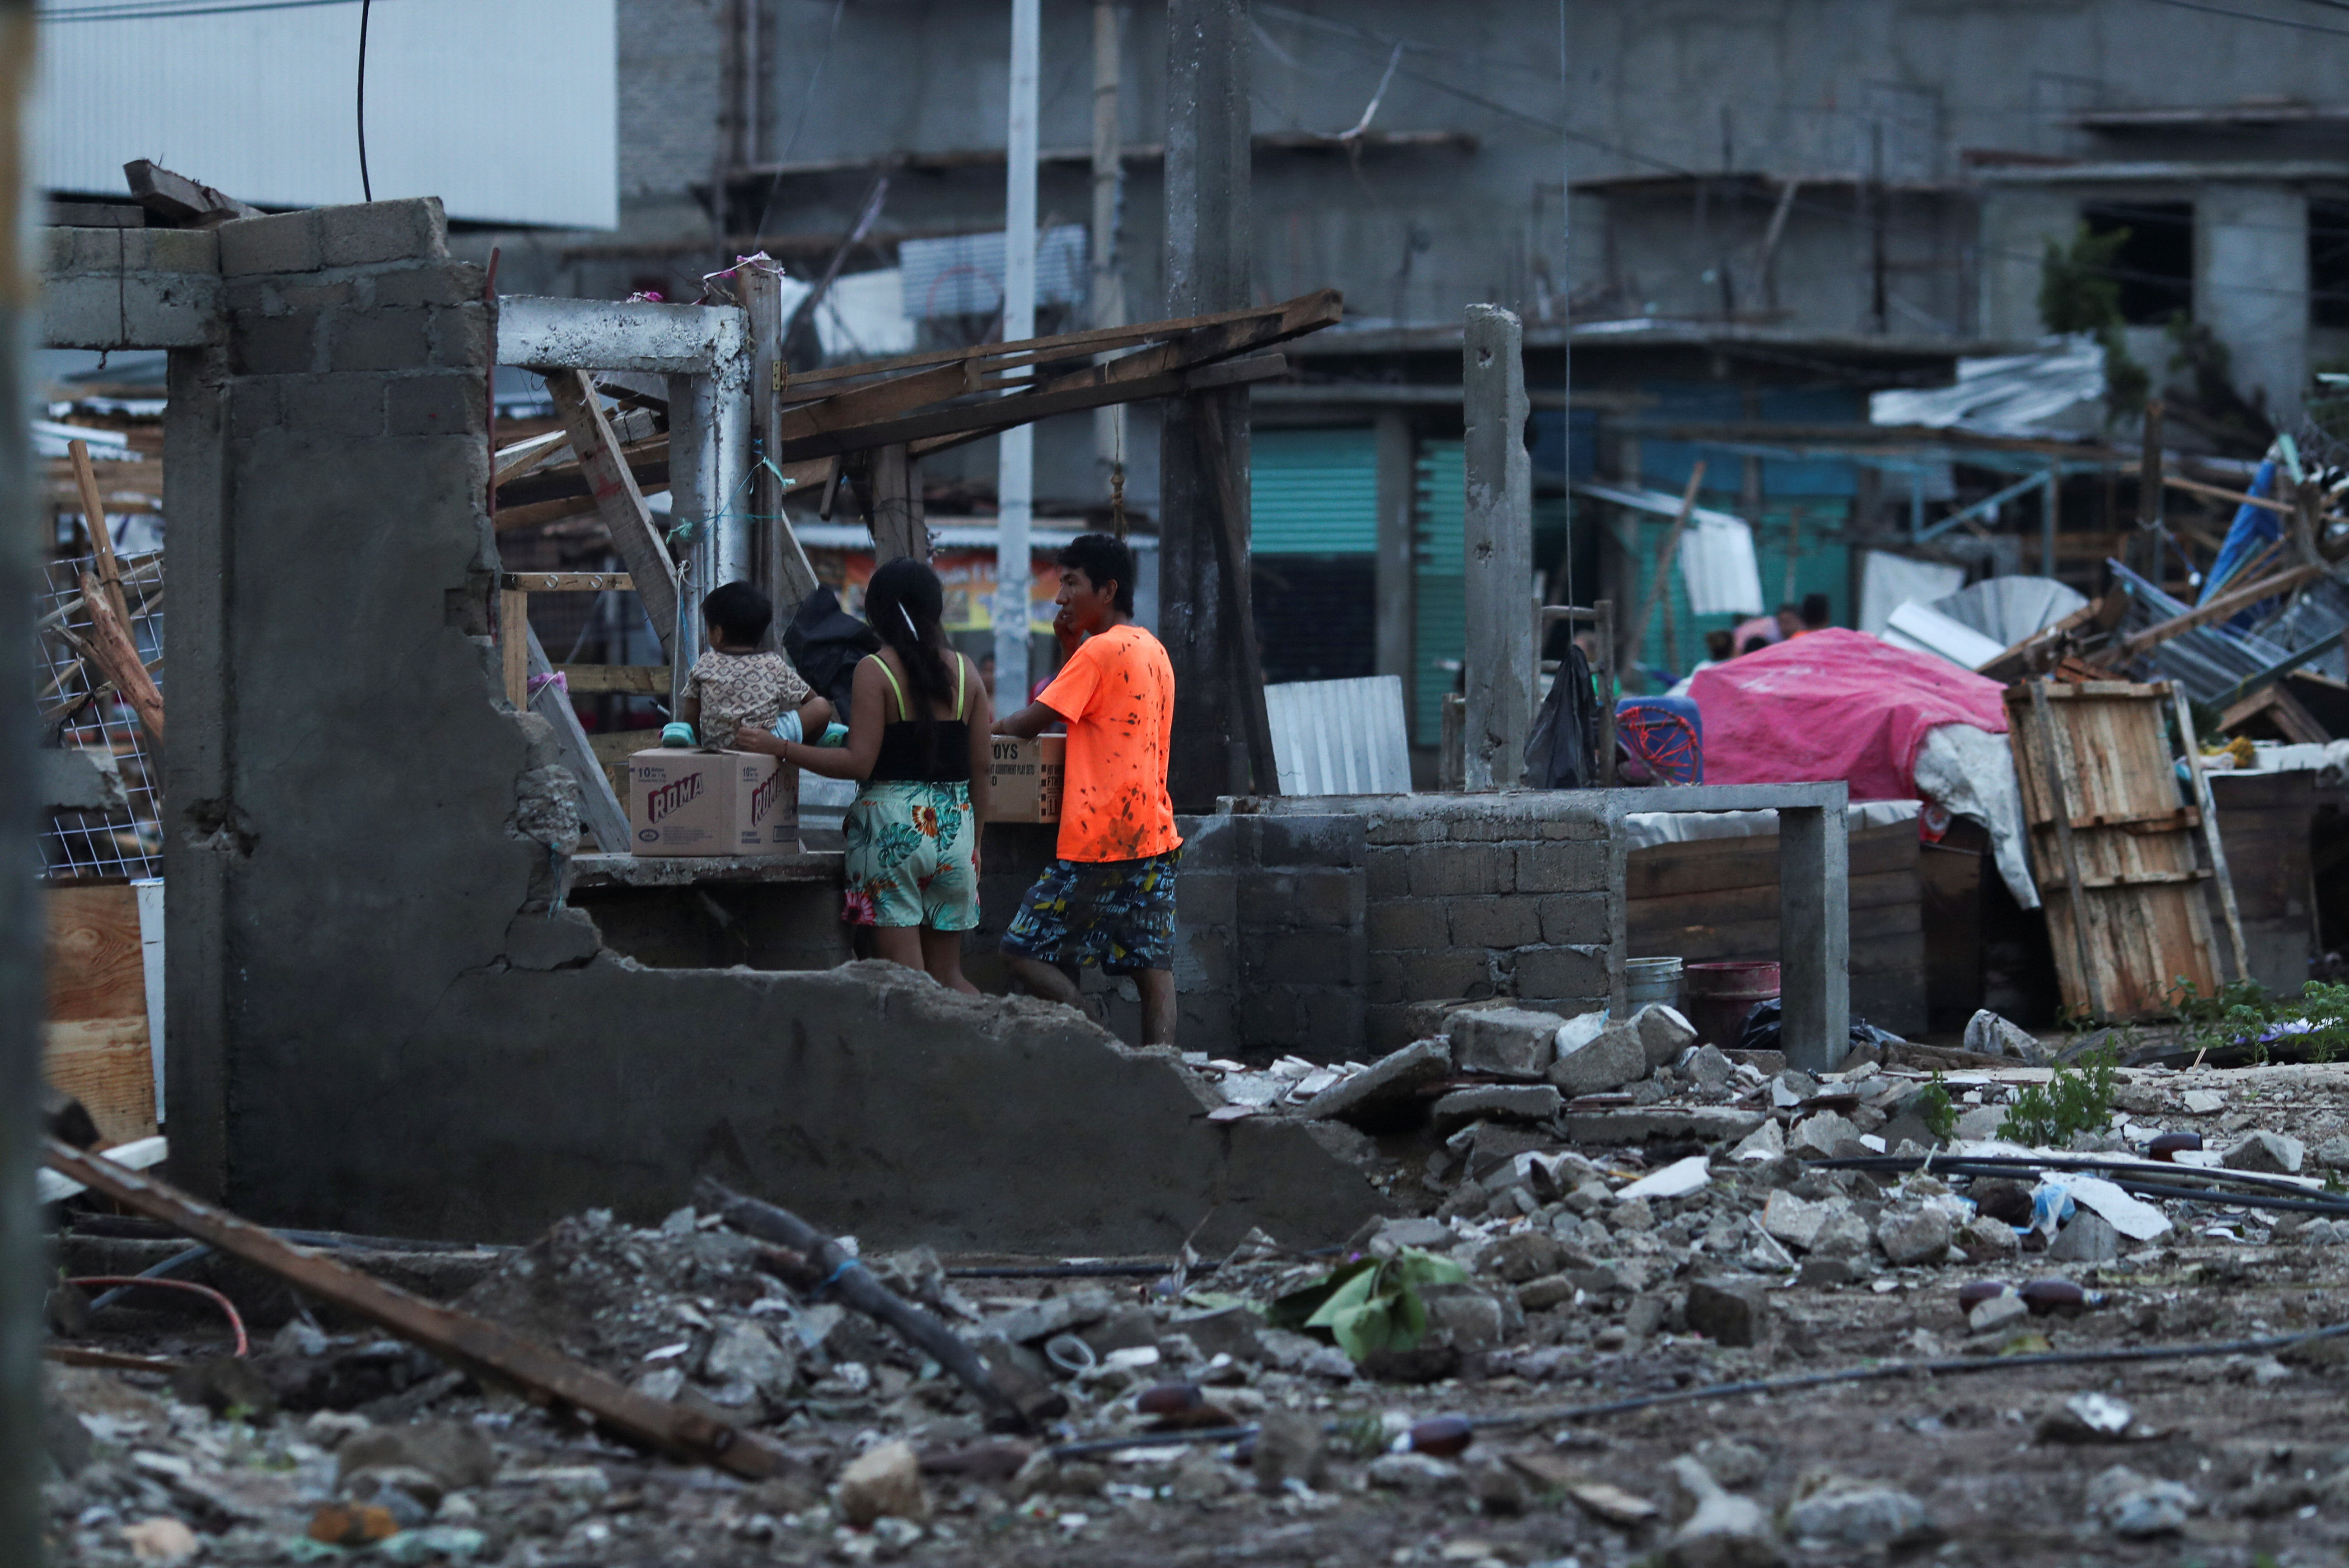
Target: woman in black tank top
918	724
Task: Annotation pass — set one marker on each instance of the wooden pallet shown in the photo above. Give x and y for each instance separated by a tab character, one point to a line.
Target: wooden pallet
2113	844
95	1043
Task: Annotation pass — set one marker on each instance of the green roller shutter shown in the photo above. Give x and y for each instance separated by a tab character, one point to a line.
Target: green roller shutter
1314	493
1441	634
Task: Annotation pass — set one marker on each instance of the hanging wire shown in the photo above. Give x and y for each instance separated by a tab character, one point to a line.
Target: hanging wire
366	186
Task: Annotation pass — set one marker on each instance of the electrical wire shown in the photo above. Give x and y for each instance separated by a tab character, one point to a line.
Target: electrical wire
2254	17
152	10
235	1318
366	186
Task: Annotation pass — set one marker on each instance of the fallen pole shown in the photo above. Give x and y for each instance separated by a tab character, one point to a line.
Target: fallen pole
485	1348
842	1274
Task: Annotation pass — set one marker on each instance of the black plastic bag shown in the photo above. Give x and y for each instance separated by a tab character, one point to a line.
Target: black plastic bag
825	644
1762	1027
1562	753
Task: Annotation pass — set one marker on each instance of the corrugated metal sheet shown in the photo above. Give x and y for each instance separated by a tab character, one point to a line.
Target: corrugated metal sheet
506	112
1340	737
962	275
1314	493
1440	633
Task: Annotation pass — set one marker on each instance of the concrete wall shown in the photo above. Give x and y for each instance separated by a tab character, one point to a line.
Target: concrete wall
381	1020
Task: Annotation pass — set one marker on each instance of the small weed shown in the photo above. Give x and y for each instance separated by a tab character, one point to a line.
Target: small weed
1938	1109
2071	1100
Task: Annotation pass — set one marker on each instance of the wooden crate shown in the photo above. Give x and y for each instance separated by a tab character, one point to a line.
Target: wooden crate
96	1044
1716	900
2139	912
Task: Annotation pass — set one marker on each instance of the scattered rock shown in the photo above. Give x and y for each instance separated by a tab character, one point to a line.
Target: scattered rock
1709	1068
163	1540
884	1482
2089	1417
1855	1514
2133	1505
1288	1447
1767	1141
1521	1255
452	1455
1609	1060
1391	1236
1391	1082
1497	1102
2333	1154
1663	1033
2202	1101
743	1351
1723	1530
2272	1152
2088	1239
1823	1133
1910	1236
1417	1475
1624	1509
1989	1035
1514	1041
1500	1489
1731	1463
1791	1219
1989	1316
1728	1312
1677	1180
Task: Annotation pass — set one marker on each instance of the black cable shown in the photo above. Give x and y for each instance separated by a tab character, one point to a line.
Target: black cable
366	186
154	10
2254	17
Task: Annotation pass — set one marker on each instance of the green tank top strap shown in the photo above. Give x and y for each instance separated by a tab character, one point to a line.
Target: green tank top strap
891	677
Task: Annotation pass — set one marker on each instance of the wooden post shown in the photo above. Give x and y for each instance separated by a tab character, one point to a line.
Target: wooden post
2148	469
1606	608
1499	540
1209	221
1660	584
2055	759
513	645
621	505
101	539
1108	205
1396	570
778	566
114	649
2210	805
1230	524
898	526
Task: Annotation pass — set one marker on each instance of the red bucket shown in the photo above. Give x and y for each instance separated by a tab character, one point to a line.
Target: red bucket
1717	996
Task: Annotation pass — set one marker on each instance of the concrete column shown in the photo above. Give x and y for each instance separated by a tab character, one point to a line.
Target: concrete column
1499	541
2250	287
1397	574
201	830
1209	226
1813	934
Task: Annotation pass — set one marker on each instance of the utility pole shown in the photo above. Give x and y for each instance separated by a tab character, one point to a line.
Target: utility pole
1203	453
1109	208
1015	465
24	1267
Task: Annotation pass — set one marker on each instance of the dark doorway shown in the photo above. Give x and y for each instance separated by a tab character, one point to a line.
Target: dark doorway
2154	267
1316	616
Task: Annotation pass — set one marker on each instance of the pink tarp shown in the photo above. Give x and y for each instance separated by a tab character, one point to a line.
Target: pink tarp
1835	705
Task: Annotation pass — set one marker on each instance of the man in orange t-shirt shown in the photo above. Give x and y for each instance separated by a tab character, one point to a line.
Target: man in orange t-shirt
1109	897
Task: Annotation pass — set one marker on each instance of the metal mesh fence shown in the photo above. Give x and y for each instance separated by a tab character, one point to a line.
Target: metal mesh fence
77	707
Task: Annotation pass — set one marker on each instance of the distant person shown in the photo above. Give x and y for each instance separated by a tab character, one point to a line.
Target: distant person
1762	626
1754	645
1790	621
1718	650
1818	613
918	722
1108	898
734	687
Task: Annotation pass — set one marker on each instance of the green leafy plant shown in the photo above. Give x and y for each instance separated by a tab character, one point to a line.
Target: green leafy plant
1938	1112
1370	1304
2074	1100
2079	292
2243	1015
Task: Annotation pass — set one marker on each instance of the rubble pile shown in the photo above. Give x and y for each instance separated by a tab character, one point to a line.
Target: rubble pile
1475	1375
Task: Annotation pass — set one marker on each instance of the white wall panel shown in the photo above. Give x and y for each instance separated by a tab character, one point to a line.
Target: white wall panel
502	108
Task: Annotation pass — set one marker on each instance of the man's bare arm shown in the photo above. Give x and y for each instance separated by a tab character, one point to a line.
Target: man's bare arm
1029	722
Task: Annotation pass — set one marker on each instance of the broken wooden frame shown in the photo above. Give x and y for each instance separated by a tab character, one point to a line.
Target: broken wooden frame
487	1350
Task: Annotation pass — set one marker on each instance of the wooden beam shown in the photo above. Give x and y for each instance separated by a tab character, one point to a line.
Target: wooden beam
2233	601
896	520
2196	487
627	680
619	502
619	745
498	1353
101	537
608	818
181	199
1660	582
947	427
116	652
567	581
1230	539
513	646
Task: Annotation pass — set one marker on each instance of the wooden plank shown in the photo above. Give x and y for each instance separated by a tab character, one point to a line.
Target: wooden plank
1885	889
105	1064
600	799
1660	581
101	537
2212	839
618	745
2016	660
2237	497
2052	756
619	502
513	646
632	680
496	1352
1709	865
567	581
2281	709
91	965
113	649
897	521
1004	413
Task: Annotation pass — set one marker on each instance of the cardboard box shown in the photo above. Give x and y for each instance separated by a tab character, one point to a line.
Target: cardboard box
1024	777
697	802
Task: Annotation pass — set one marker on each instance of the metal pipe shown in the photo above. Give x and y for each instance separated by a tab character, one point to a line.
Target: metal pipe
1015	471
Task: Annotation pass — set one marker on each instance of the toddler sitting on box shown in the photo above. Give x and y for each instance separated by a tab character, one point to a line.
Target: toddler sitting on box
735	686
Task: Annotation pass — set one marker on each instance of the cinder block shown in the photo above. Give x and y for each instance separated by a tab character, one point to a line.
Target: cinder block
1210	844
1205	897
274	344
1332	840
1386	1029
358	236
1334	1019
1272	1017
1573	919
1389	874
171	310
1386	983
379	340
1319	900
1577	825
333	405
1305	957
1562	868
427	283
1487	828
1561	972
1406	829
1407	924
439	403
182	250
307	294
462	336
56	251
81	310
1446	871
1500	922
1451	972
281	242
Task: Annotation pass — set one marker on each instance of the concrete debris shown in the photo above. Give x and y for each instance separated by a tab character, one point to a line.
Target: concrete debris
1989	1035
1827	1135
1418	1475
2136	1506
1664	1033
2089	1417
1677	1180
1289	1449
1733	1464
1391	1081
1499	1102
882	1482
1507	1040
2088	1239
1911	1236
1725	1529
2272	1152
1857	1515
1608	1060
1766	1142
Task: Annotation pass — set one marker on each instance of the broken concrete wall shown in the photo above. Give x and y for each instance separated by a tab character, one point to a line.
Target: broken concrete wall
382	1019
